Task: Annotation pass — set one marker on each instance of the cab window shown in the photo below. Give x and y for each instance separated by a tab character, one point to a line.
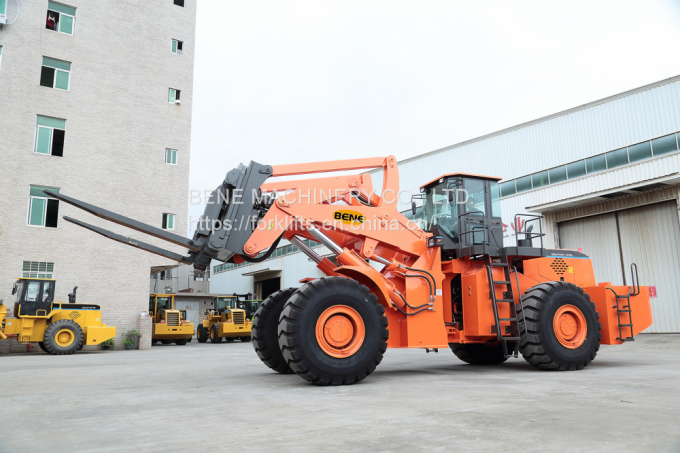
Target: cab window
437	204
475	196
152	304
163	303
47	291
20	291
33	291
223	302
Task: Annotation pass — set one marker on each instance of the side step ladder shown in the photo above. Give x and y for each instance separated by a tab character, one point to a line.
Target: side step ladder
625	308
508	298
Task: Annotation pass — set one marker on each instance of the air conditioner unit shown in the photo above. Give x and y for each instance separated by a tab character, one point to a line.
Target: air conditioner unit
177	102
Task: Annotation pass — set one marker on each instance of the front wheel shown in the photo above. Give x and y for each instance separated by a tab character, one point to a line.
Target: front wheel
245	339
563	331
181	342
333	331
201	334
167	341
265	327
215	334
63	337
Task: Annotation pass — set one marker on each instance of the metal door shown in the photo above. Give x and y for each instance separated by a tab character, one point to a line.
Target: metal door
650	237
598	238
192	309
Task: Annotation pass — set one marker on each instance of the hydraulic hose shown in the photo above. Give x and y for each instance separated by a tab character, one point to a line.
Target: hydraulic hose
425	272
266	255
432	295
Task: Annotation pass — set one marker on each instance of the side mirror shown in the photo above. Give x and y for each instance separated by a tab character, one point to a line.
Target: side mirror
72	296
413	208
14	289
450	193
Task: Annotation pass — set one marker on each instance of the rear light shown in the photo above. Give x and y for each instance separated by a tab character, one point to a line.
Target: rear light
163	321
247	320
228	320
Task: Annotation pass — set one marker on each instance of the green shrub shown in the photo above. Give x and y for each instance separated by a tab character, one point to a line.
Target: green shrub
108	344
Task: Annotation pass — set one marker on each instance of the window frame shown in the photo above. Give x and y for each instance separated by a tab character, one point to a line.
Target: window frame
177	51
58	27
164	222
176	97
44	213
46	274
36	137
54	76
168	150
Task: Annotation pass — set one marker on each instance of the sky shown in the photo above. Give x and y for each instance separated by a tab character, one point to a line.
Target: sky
284	81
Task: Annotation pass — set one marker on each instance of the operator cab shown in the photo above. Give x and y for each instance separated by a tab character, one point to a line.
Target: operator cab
224	304
33	296
160	302
465	210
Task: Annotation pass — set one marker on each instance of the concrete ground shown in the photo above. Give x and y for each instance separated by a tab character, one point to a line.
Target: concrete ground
206	397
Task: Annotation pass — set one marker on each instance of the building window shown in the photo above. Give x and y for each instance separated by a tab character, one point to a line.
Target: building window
173	96
641	151
168	221
60	18
618	158
171	156
576	169
179	3
176	47
43	210
49	136
660	146
55	73
37	269
3	9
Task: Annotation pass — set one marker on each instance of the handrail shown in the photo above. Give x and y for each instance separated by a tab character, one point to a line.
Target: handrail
528	235
635	279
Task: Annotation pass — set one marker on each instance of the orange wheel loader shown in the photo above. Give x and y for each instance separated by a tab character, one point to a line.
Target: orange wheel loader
452	283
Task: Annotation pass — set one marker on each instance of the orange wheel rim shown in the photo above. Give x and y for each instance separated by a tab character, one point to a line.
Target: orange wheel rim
340	331
570	326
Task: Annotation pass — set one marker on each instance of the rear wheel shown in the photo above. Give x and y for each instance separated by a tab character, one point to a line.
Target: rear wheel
181	342
264	331
563	331
201	334
215	334
154	342
42	346
63	337
167	341
230	339
245	339
481	354
333	331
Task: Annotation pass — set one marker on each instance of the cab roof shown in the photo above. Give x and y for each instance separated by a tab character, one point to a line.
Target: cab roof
40	279
469	175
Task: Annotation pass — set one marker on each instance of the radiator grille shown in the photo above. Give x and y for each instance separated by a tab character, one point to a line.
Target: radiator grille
239	317
172	319
559	266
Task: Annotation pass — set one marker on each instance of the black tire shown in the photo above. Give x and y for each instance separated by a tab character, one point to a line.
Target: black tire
297	332
154	342
481	354
201	334
246	339
167	341
190	338
50	337
42	346
214	334
230	339
539	345
181	342
265	331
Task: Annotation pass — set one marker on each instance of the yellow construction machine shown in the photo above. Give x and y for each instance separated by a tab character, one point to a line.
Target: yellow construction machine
170	325
58	328
224	320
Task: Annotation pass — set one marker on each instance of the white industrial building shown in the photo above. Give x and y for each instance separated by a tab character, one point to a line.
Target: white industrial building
605	176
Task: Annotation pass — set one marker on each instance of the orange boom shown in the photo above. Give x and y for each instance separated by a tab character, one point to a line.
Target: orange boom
450	282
